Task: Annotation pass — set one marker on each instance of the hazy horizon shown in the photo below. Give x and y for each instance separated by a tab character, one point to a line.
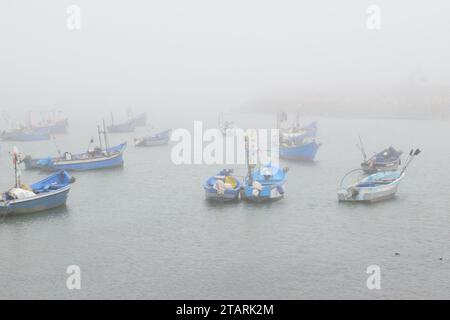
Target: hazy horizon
210	54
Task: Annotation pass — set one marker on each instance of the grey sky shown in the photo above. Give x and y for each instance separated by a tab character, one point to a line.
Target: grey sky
200	53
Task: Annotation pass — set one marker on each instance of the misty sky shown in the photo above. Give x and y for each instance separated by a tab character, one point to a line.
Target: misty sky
200	53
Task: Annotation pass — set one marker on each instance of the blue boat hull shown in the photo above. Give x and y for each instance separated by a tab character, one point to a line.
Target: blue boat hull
41	203
305	152
26	136
85	165
48	193
268	193
266	184
228	195
55	164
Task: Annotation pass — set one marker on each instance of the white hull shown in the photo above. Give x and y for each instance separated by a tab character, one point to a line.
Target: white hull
369	194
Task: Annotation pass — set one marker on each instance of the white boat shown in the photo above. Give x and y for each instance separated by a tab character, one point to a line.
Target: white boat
375	187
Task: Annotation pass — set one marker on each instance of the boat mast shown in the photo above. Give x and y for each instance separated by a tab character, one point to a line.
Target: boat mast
247	159
56	146
106	137
16	169
99	136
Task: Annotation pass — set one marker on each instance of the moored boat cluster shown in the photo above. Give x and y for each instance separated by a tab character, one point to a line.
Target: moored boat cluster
380	175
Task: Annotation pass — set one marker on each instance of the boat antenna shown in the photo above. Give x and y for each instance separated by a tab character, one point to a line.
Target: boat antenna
412	154
361	147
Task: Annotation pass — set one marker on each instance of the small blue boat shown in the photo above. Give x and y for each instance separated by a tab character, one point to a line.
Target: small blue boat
26	134
56	127
160	138
297	142
265	183
46	194
124	127
50	120
222	187
387	160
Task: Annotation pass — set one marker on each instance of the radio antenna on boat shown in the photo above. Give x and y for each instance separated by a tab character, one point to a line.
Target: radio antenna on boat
361	147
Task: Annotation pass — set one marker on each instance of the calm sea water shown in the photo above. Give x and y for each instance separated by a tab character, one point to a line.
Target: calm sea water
145	231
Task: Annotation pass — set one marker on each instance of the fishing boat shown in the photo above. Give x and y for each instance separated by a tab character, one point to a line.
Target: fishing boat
222	187
50	120
375	187
94	158
26	134
157	139
57	127
386	160
45	194
263	182
297	142
124	127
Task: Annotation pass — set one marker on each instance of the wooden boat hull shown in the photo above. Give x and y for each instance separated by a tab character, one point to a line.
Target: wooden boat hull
304	152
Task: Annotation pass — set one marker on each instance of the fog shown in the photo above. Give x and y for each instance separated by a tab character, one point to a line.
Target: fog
198	54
